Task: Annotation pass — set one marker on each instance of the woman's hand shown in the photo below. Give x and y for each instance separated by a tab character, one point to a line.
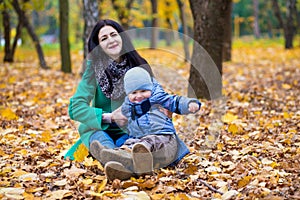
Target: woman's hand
118	117
106	118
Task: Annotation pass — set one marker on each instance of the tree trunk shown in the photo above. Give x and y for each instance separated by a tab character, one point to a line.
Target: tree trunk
9	51
169	33
277	13
227	43
288	27
17	36
91	16
77	23
154	30
269	23
298	20
297	17
206	78
30	30
185	37
64	36
8	54
256	23
290	24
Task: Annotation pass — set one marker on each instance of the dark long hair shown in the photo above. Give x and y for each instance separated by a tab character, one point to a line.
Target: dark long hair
128	51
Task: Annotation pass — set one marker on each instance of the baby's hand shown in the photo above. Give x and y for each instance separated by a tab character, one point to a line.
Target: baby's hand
193	107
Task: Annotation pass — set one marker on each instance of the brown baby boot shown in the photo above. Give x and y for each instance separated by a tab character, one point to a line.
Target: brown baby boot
115	170
95	149
142	159
119	155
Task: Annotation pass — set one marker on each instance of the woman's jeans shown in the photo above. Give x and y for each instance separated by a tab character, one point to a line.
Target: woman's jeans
106	140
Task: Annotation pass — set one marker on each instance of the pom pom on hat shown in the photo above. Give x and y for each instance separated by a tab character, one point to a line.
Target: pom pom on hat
137	79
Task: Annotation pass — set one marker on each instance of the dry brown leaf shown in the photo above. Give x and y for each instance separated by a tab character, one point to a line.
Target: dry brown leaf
74	172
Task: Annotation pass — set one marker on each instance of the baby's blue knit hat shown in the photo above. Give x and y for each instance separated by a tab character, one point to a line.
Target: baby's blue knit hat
137	79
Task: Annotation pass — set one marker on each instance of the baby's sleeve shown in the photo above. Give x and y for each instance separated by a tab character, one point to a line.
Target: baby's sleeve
125	109
174	103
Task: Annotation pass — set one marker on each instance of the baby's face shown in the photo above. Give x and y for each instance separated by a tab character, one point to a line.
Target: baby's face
139	95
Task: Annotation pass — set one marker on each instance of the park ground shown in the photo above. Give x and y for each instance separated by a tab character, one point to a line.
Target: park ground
243	146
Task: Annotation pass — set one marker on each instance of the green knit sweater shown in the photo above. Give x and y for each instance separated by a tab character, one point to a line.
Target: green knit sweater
87	106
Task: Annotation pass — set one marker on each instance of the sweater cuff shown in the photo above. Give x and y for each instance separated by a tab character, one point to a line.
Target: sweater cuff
185	105
98	113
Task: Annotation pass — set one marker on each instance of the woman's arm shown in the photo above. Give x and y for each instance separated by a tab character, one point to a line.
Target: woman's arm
79	107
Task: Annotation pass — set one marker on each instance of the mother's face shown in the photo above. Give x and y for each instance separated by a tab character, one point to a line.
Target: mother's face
110	41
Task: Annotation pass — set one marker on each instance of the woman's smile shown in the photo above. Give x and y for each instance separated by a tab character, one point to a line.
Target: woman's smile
110	41
114	46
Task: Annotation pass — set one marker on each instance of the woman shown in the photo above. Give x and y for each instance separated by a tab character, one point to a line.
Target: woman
100	94
111	54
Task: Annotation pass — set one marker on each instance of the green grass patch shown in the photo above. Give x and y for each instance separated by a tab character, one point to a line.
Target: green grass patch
27	51
251	41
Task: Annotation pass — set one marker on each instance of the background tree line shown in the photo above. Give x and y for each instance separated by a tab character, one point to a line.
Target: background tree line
212	24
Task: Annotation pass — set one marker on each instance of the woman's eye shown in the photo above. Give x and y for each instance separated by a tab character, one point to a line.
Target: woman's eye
103	39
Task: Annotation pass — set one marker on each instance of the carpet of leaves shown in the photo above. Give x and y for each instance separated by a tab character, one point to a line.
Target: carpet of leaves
244	146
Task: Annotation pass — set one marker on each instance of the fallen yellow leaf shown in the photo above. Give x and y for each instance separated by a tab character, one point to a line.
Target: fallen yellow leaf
45	136
102	185
244	181
60	194
8	114
233	128
81	153
229	117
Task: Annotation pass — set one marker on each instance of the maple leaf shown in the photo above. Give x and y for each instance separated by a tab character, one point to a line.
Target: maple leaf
233	128
8	114
81	153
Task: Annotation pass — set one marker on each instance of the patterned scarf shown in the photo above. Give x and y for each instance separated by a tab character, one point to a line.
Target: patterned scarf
110	79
